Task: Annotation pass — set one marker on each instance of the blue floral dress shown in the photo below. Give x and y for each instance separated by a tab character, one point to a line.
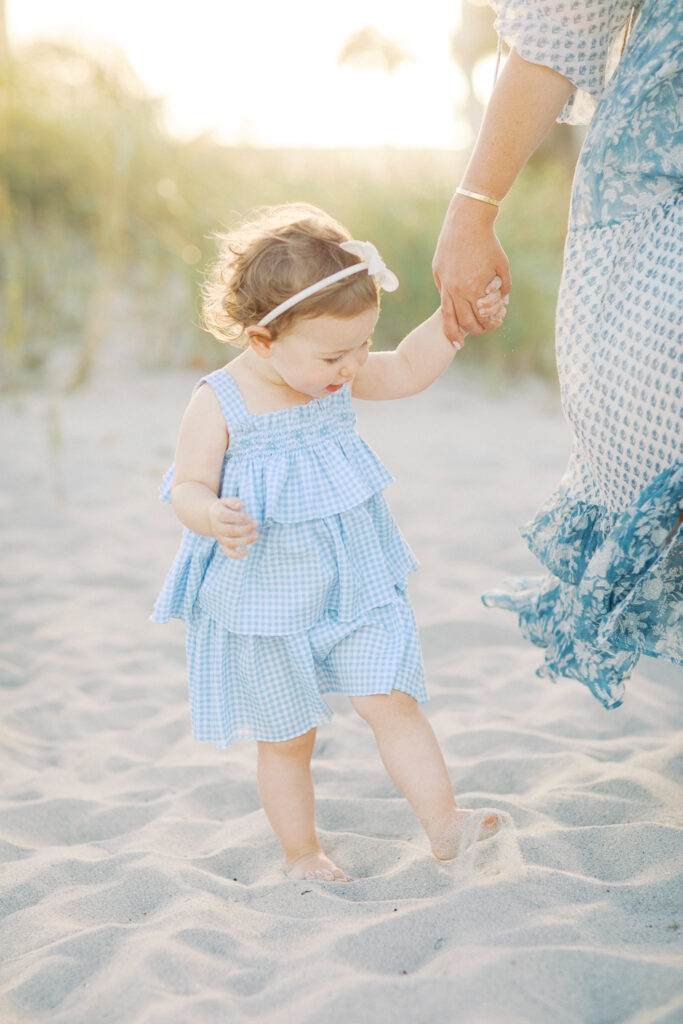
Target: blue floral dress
611	534
319	604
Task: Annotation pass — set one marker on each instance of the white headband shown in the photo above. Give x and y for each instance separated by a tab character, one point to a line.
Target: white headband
370	261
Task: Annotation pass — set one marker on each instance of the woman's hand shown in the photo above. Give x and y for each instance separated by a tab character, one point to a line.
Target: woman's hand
468	255
233	529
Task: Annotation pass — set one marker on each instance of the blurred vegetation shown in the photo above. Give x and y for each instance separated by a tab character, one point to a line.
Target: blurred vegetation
106	222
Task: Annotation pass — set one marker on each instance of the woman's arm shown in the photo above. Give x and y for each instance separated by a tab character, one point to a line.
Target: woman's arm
524	104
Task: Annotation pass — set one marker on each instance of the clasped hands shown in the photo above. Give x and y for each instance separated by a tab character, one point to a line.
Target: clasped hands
490	310
471	270
473	276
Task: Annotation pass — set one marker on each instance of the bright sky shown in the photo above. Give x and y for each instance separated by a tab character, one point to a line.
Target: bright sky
265	71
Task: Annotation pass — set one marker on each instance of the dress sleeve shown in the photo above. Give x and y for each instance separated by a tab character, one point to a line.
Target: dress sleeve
581	39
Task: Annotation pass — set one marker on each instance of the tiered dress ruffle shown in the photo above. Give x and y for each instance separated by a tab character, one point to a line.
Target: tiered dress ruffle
319	602
615	590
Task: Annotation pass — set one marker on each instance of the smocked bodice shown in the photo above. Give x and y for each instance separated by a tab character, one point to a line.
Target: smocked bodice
327	542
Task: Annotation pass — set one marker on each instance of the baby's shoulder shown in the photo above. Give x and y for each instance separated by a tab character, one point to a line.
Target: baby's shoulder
204	410
219	394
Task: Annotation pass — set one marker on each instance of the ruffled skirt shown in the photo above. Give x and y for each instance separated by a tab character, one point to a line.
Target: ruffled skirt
316	607
611	535
270	687
615	590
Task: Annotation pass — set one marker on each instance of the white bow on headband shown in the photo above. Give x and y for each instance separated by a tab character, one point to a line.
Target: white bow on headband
370	261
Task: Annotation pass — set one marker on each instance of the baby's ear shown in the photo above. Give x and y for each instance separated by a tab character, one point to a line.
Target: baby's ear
260	341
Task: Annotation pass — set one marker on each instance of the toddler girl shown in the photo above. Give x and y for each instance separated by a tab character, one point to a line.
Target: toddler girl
292	572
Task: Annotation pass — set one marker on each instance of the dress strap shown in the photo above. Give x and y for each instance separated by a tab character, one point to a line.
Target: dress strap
228	394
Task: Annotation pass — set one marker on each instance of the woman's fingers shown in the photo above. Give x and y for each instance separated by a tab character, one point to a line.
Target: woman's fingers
460	316
451	324
468	317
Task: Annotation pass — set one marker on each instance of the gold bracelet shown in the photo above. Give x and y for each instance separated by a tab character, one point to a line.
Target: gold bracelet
477	195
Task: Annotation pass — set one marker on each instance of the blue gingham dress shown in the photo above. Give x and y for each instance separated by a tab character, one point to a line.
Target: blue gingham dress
319	604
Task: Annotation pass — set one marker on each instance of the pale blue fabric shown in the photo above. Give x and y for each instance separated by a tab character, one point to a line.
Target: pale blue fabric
319	603
610	534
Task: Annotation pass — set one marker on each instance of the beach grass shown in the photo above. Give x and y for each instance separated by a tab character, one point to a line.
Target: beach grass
107	225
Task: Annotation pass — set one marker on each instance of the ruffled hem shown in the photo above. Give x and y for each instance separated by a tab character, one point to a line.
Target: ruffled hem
295	574
179	593
616	590
272	688
565	534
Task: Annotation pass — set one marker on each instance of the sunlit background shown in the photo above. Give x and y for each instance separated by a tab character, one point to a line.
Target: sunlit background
129	132
280	74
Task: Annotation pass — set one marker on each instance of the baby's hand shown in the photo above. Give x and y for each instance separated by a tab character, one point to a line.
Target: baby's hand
233	529
492	307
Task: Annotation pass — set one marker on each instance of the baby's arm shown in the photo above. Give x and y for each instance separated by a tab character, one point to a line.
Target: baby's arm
421	357
202	443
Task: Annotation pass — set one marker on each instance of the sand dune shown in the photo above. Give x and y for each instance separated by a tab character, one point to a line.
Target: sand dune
140	882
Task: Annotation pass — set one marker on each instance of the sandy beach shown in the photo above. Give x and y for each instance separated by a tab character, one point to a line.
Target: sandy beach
140	882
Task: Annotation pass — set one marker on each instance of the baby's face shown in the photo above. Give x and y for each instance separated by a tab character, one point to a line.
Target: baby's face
316	357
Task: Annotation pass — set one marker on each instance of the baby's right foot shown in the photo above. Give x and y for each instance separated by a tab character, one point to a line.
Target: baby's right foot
316	867
467	825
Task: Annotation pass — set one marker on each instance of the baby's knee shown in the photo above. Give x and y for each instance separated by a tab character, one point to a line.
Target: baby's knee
294	749
379	706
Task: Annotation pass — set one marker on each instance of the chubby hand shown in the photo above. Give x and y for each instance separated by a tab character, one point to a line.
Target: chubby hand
493	305
234	529
492	308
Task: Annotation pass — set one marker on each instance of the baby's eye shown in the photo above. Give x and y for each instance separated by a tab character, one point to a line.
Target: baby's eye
335	359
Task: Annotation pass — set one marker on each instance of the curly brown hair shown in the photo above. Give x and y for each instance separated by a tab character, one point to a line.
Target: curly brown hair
273	255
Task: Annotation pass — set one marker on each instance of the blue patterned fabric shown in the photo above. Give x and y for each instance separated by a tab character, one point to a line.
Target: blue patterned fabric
580	40
319	603
610	535
616	589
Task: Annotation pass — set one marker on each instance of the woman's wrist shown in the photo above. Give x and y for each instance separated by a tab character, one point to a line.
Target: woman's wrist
473	210
479	197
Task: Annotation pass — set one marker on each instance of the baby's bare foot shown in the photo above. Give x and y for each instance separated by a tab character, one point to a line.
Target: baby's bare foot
316	867
466	826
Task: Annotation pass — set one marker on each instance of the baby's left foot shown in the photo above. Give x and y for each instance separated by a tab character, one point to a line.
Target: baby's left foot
316	867
467	825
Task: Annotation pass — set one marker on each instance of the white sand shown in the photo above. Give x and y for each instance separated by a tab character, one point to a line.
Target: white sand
141	884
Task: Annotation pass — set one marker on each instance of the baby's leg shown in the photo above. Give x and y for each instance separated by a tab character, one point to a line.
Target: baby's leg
286	789
412	756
